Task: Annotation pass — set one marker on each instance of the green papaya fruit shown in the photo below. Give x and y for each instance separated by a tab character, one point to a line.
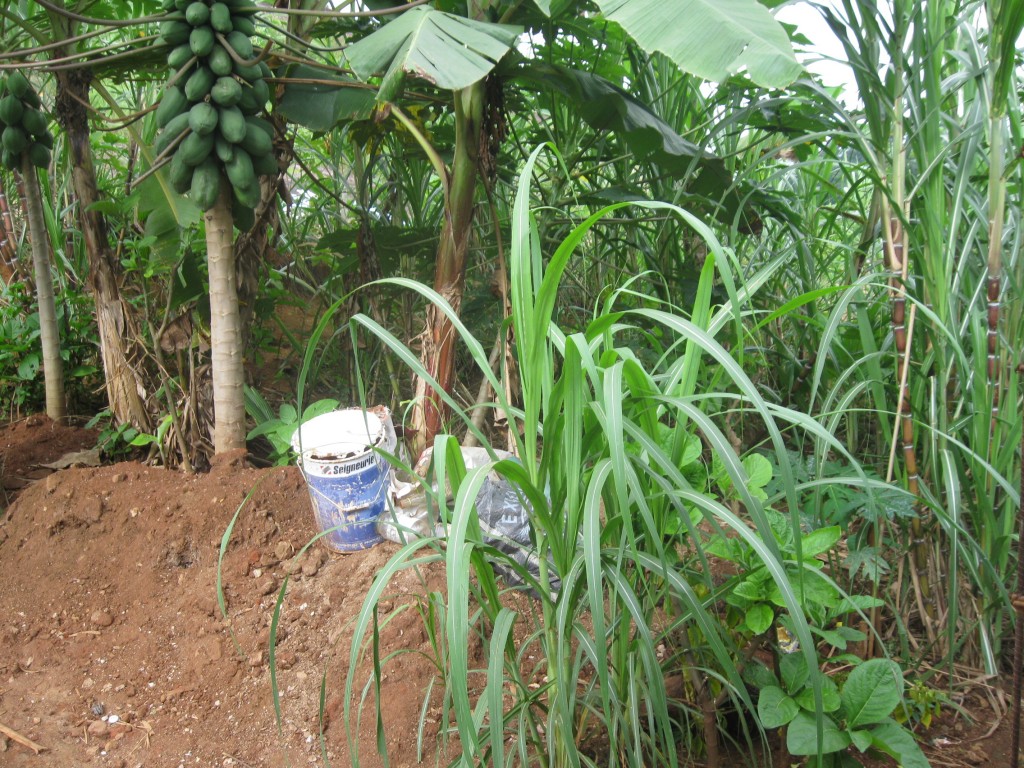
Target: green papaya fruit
244	217
195	148
265	165
241	44
205	184
202	118
201	41
179	57
11	110
247	73
171	131
239	169
175	32
39	155
197	14
199	84
231	124
180	175
14	139
257	141
226	92
244	25
220	18
18	84
34	122
249	195
173	104
225	149
219	61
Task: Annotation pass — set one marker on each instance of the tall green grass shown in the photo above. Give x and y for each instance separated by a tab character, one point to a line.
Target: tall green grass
626	460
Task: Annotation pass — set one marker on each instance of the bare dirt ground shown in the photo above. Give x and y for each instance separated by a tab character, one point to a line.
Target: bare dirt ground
114	651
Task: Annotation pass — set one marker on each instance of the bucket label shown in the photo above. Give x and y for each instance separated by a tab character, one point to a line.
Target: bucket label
347	467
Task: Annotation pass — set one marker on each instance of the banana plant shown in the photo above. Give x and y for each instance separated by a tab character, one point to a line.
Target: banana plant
469	55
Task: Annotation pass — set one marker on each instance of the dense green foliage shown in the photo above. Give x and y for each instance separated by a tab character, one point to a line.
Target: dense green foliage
754	343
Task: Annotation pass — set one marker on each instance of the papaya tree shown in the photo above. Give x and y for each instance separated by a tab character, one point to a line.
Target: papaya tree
470	52
215	148
124	379
27	141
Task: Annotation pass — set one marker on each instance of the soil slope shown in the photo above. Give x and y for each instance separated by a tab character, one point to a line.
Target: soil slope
113	649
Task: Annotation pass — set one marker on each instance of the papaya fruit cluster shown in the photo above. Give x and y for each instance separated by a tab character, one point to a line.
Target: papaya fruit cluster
209	112
23	127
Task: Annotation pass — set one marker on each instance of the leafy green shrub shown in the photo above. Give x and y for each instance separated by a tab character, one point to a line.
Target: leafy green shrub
856	713
626	476
21	376
279	428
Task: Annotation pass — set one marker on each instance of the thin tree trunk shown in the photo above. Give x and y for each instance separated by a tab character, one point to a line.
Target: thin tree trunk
53	366
124	381
438	353
225	327
8	249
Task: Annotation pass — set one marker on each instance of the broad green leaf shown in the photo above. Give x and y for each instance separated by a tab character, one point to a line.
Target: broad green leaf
757	675
320	100
607	107
861	739
872	692
830	701
166	214
811	590
802	735
897	742
852	634
793	667
749	589
759	618
821	540
775	708
449	51
726	549
29	367
319	408
859	602
142	439
839	637
759	472
712	39
391	243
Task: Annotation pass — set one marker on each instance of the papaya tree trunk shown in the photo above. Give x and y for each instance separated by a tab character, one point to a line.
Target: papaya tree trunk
114	321
53	366
438	352
225	327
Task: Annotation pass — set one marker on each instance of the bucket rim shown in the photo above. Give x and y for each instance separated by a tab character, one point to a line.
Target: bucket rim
356	429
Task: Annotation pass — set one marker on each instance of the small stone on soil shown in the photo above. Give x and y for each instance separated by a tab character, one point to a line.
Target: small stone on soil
101	619
977	756
98	728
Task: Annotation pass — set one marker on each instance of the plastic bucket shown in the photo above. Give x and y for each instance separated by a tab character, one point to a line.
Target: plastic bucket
347	481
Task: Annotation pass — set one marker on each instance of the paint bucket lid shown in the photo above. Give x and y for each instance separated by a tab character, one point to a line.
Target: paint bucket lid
349	432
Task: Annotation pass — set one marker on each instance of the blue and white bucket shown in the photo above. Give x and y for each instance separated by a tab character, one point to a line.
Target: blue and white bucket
348	482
